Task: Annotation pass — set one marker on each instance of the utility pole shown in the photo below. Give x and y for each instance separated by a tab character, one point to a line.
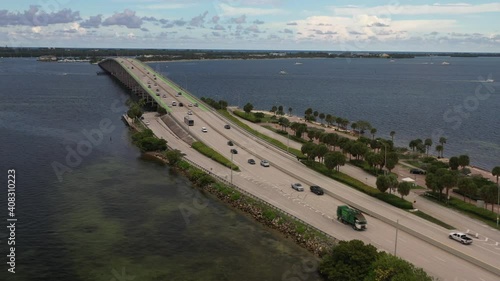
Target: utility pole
498	201
396	242
287	141
385	159
231	167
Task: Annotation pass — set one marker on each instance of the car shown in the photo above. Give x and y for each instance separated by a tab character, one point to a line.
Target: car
230	143
164	96
149	86
179	93
181	104
190	105
195	104
297	186
251	161
204	129
157	90
417	172
234	151
264	163
460	237
227	126
316	190
190	112
147	122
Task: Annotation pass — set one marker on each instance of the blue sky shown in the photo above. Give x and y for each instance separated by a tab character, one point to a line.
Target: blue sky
389	25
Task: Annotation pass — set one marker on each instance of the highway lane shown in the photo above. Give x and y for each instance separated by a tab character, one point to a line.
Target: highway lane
486	236
319	211
259	151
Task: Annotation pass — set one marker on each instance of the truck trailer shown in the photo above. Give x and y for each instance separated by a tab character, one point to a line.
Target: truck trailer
354	217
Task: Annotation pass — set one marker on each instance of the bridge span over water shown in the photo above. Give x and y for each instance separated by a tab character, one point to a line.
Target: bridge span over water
143	81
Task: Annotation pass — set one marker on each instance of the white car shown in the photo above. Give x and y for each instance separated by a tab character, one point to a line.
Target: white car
461	237
297	186
190	112
204	129
264	163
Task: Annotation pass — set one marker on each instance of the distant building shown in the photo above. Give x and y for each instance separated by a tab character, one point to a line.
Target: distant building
47	58
277	54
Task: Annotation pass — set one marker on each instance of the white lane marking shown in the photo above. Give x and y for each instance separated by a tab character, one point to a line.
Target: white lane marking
438	258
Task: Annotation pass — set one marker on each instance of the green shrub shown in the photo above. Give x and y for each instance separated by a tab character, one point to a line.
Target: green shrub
455	203
214	155
356	184
469	208
269	214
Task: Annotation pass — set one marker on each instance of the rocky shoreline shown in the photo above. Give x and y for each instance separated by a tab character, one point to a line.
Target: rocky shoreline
304	235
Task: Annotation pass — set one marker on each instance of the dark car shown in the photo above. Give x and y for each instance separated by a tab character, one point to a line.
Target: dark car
251	161
417	172
316	190
180	104
234	151
230	143
227	126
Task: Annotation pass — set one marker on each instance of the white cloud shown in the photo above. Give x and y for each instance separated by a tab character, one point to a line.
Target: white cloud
167	6
455	9
367	27
227	10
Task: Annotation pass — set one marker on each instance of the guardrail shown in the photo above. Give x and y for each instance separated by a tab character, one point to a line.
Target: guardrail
260	200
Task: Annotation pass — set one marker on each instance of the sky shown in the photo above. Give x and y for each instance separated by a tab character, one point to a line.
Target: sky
364	25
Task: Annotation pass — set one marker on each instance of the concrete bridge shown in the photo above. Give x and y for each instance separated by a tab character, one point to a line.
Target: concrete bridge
137	80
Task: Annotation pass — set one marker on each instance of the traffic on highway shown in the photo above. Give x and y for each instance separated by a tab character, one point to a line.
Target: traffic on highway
277	179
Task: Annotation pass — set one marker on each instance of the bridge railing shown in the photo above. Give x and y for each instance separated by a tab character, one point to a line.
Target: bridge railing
258	199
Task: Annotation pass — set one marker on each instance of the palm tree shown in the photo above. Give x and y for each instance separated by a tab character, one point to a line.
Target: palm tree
373	131
496	172
329	119
392	133
338	120
308	113
321	117
354	126
439	149
290	111
274	109
344	122
442	141
428	144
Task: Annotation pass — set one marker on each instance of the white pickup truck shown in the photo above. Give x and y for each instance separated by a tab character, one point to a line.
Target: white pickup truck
461	237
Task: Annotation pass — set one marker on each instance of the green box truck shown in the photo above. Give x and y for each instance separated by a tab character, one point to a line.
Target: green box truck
351	216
